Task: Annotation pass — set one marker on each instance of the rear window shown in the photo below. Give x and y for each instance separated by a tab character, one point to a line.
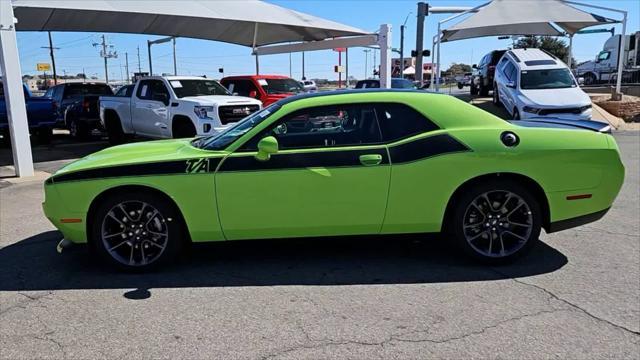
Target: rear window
87	89
539	62
367	84
496	55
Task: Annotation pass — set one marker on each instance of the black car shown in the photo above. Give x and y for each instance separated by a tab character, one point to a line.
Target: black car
77	106
396	83
482	78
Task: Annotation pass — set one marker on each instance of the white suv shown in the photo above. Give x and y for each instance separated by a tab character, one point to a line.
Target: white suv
532	83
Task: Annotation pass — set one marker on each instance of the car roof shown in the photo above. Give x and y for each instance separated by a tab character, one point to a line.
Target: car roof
534	59
346	92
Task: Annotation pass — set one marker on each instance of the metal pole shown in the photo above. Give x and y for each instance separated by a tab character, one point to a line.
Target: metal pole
339	66
126	64
621	56
384	42
303	76
402	51
433	53
149	54
569	56
346	65
257	65
290	72
175	67
53	59
422	10
139	67
374	64
104	49
366	57
13	94
437	61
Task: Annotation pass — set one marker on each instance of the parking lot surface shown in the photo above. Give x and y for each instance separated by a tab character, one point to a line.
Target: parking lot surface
576	296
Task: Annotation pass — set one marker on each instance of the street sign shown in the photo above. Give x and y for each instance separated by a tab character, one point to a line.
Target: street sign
340	49
338	69
43	67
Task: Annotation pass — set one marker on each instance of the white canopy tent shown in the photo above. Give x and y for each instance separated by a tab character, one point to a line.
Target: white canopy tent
523	17
250	23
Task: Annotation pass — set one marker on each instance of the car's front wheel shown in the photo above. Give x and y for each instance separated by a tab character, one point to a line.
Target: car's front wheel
496	96
136	231
496	221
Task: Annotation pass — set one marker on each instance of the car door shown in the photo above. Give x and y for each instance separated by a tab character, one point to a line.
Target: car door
330	177
150	112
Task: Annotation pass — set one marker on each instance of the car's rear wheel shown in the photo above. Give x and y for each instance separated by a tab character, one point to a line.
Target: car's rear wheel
77	129
496	96
44	135
473	90
136	231
496	222
484	90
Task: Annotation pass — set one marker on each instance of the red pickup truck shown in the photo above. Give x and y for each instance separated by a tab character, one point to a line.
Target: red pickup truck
266	88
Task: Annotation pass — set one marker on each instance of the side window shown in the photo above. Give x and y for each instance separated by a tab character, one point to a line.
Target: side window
144	90
241	87
502	63
508	71
399	121
325	126
57	92
48	93
158	88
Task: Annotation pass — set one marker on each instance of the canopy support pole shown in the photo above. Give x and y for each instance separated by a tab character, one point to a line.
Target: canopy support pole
253	46
570	56
13	94
384	41
437	69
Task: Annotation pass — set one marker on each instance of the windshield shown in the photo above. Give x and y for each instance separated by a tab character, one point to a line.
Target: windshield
184	88
546	79
402	84
224	138
280	86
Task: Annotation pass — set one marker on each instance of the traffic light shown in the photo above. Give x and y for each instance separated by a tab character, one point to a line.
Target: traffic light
425	53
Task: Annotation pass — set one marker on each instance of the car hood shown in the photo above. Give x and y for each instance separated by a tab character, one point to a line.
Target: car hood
550	98
221	100
137	153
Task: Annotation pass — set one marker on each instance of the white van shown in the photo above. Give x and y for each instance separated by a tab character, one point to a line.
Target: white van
533	83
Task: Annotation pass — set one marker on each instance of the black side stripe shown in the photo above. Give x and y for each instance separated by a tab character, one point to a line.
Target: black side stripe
425	148
157	168
344	158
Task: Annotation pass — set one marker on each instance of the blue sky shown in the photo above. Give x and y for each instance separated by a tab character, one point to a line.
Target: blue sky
197	57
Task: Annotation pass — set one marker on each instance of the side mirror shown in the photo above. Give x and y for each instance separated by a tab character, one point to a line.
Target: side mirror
474	66
581	81
253	94
511	84
266	147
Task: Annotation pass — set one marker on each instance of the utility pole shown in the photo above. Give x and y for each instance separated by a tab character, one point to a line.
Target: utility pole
106	54
423	10
402	27
53	59
366	58
139	67
126	65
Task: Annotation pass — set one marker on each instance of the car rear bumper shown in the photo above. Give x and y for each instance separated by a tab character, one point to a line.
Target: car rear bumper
576	221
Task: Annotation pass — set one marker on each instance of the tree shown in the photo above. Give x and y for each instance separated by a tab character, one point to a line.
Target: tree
458	69
553	45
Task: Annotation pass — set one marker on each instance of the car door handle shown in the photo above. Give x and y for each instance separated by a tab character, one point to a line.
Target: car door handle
370	159
161	125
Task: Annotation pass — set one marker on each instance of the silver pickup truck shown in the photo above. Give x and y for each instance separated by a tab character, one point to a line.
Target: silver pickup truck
172	107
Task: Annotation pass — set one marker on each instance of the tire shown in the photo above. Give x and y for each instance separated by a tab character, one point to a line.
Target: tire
484	90
44	135
589	79
483	234
183	129
77	129
473	90
496	96
127	253
460	86
114	131
516	114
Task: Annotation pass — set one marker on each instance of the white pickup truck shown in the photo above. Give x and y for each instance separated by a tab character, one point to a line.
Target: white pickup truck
172	107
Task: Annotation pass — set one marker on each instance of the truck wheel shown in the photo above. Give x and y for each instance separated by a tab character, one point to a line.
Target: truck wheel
77	129
44	135
114	131
589	79
496	221
473	90
484	90
183	129
460	86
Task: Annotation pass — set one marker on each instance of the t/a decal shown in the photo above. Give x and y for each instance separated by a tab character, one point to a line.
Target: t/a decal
195	166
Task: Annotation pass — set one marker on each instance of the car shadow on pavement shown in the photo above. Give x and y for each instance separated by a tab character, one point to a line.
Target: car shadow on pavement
33	264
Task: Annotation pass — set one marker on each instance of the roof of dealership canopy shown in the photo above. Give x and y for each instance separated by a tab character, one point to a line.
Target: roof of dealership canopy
249	23
524	17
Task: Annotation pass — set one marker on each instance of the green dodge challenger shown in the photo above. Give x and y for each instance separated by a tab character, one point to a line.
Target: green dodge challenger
342	163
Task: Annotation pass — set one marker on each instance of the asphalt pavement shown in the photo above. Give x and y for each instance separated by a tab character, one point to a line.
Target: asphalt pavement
576	296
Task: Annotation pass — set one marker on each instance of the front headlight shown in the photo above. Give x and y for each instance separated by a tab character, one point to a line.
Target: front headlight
531	109
201	111
585	108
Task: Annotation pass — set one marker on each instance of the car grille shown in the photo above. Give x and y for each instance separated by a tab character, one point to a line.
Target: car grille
233	113
574	110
